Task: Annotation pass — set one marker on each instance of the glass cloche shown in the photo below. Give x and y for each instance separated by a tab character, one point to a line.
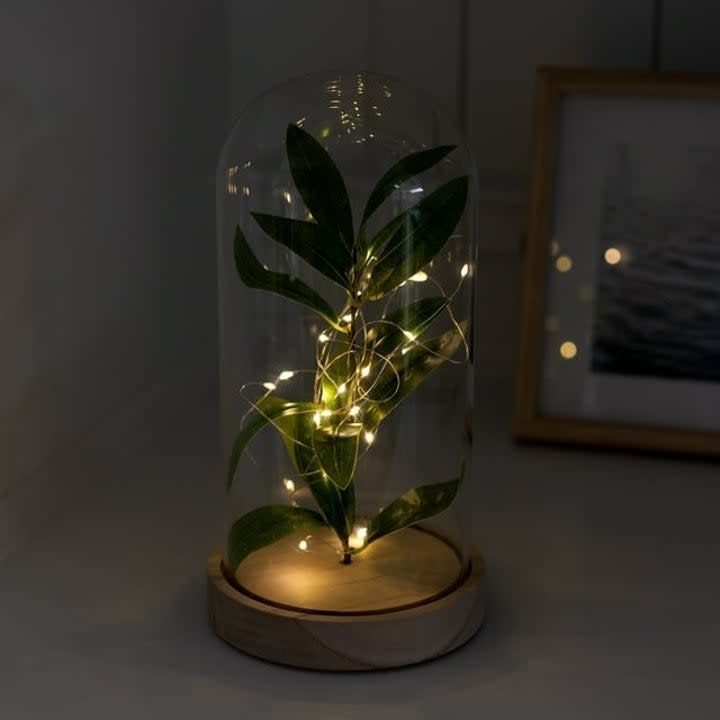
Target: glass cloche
346	256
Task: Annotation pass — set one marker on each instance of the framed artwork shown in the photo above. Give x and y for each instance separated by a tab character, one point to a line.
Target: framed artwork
620	320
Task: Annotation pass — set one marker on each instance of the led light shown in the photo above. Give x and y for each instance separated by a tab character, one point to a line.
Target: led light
613	256
323	338
285	375
364	372
303	545
568	350
419	277
369	437
564	263
287	196
289	485
416	190
406	349
347	318
342	388
357	538
354	411
316	419
410	336
269	386
464	270
325	413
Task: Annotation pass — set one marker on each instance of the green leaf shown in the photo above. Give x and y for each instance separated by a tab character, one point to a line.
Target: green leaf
264	526
403	170
337	506
336	361
319	183
337	452
267	409
319	248
418	504
413	319
416	237
407	372
254	275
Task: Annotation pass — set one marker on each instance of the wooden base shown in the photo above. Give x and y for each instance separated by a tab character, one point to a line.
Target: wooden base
379	612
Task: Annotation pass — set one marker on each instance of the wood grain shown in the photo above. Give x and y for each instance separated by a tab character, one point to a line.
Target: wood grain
359	641
405	568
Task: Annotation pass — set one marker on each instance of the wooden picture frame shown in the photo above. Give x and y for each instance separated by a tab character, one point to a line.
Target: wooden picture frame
608	384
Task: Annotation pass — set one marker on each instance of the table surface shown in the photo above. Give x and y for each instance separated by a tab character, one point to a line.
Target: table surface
604	597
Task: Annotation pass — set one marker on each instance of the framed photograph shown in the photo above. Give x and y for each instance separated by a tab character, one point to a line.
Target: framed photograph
620	328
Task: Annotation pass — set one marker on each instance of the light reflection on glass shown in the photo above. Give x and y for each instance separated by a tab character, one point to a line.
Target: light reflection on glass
568	350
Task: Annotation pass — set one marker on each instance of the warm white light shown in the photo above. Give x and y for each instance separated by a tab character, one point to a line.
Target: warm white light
406	349
464	270
564	263
568	350
323	338
285	375
416	190
289	484
325	413
286	195
419	277
354	411
613	256
357	538
269	386
410	336
369	437
316	419
347	318
303	544
342	387
364	372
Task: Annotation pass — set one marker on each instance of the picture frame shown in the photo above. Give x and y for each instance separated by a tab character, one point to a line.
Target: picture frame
619	341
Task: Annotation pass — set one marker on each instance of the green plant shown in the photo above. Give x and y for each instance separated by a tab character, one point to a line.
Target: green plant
364	368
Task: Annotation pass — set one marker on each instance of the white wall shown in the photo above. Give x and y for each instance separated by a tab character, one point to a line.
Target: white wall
111	115
111	118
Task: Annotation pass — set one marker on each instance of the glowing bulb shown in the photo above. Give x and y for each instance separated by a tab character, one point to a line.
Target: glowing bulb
286	195
325	413
369	437
406	349
357	538
568	350
364	372
464	270
342	388
613	256
303	545
323	338
347	318
285	375
354	411
419	277
563	263
410	336
289	485
316	419
269	386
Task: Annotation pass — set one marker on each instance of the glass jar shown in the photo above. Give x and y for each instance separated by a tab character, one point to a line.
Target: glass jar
346	257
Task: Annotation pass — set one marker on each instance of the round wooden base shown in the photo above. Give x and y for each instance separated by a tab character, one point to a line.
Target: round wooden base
381	637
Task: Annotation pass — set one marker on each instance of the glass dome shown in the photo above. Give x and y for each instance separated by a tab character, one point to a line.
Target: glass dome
346	256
